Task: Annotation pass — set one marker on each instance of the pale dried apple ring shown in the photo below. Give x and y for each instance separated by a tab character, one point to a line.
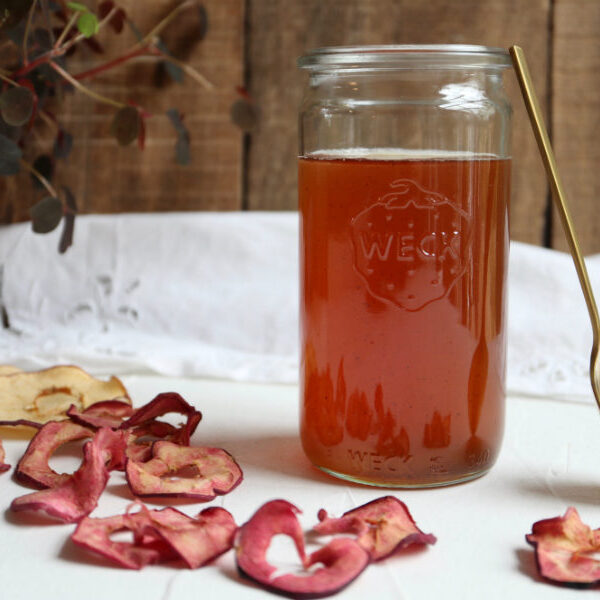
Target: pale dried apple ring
3	465
6	370
184	471
46	395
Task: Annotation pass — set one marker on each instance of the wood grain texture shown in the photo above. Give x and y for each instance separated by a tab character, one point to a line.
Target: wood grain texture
280	31
109	178
576	116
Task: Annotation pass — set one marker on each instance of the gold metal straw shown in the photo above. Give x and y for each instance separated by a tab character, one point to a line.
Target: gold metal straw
541	135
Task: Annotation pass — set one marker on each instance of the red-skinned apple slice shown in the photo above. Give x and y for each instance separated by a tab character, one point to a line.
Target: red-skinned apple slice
33	468
114	444
563	546
76	497
108	413
94	535
158	536
184	471
162	404
382	527
199	540
343	559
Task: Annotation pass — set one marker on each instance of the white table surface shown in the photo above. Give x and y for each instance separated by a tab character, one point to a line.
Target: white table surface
548	462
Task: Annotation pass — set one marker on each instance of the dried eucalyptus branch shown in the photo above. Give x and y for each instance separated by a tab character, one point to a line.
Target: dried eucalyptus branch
41	74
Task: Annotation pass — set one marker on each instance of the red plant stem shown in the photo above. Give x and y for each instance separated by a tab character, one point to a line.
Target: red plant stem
45	58
115	62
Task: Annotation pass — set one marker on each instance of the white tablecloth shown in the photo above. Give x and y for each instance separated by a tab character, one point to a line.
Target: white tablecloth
548	462
215	295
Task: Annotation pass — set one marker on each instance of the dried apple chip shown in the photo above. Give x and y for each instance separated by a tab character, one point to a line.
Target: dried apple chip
199	540
114	445
106	413
343	559
159	535
143	436
94	535
9	370
162	404
33	468
3	465
46	395
139	452
382	527
184	471
21	423
77	496
563	549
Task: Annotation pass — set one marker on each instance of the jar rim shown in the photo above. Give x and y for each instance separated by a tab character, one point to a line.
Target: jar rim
443	56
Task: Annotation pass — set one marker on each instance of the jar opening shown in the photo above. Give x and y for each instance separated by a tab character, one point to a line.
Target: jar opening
446	56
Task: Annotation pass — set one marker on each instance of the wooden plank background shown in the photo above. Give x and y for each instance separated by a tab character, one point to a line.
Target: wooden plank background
256	42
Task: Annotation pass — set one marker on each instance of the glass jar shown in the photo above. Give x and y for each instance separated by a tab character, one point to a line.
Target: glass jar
404	177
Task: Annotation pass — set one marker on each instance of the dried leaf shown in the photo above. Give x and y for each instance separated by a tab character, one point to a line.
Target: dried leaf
46	215
10	156
44	165
117	21
12	133
244	114
182	146
126	125
174	71
183	155
203	18
66	237
176	119
63	144
105	7
94	45
16	105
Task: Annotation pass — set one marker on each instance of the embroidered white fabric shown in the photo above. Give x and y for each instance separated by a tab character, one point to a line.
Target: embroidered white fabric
216	294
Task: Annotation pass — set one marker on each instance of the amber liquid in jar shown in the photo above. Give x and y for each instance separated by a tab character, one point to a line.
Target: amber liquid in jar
403	260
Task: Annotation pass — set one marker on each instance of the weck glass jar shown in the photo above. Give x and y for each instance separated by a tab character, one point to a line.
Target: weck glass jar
404	177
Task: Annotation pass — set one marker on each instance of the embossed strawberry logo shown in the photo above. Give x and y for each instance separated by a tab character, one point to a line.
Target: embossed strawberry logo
411	246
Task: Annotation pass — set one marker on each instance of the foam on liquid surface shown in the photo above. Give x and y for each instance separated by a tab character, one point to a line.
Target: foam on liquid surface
397	154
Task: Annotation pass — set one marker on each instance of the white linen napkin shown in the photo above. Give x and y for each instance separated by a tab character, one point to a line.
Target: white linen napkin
216	295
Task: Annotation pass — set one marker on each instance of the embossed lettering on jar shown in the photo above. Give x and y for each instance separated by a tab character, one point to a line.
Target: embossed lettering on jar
404	177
